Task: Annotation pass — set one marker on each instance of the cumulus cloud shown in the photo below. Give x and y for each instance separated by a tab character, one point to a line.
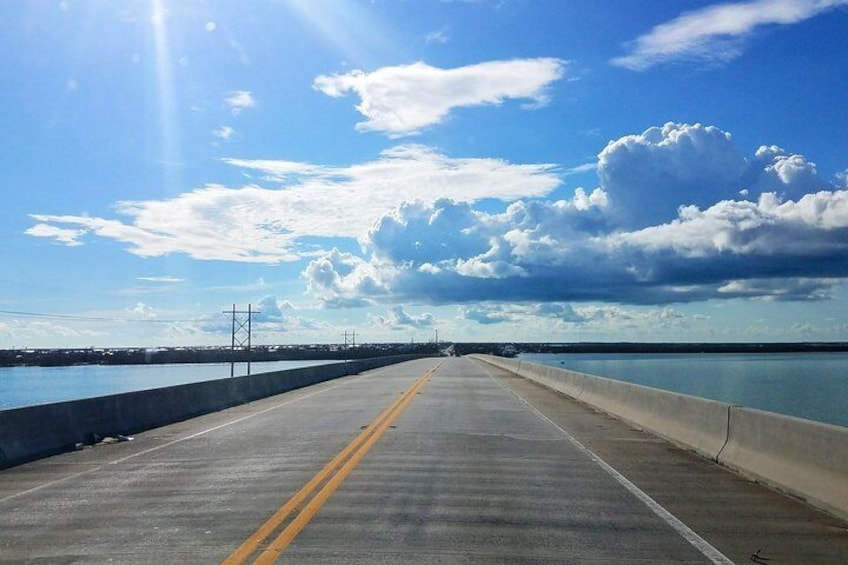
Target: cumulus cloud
548	252
814	225
142	310
341	280
240	100
716	34
449	228
399	319
278	316
679	215
223	132
785	173
486	314
271	308
264	225
403	100
649	175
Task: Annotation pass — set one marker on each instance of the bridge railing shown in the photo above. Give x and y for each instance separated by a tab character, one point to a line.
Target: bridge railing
803	458
33	432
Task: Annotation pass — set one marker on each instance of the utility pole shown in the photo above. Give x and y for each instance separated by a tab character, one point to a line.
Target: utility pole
241	336
352	341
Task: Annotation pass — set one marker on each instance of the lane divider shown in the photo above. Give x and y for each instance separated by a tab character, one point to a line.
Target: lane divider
331	476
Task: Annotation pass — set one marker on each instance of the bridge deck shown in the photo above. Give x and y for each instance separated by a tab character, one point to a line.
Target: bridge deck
472	465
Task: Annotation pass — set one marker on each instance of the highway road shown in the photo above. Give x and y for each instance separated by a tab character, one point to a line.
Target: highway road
430	461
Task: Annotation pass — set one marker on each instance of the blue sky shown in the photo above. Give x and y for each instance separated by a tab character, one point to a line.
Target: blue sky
510	170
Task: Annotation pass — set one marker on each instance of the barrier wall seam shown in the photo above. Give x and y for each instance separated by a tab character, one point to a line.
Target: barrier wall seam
727	439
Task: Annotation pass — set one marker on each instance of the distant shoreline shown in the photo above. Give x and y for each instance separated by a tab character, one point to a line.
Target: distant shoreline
170	355
46	357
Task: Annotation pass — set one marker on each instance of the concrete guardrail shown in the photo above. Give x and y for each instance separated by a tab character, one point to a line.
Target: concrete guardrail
800	457
33	432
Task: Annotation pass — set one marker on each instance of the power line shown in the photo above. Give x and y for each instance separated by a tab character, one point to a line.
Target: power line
69	317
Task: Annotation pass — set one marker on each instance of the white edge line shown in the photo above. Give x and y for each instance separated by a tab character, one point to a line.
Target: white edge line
192	436
676	524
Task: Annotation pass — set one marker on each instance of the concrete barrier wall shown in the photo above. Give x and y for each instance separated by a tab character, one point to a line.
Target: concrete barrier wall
38	431
804	458
694	423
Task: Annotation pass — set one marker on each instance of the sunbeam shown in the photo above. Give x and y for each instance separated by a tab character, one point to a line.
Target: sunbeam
169	130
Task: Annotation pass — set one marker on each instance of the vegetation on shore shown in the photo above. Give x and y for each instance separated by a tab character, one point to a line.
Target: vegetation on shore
163	355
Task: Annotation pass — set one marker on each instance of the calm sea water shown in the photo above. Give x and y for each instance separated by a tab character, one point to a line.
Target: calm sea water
27	386
805	385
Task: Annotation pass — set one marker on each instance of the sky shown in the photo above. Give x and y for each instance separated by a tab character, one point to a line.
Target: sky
490	170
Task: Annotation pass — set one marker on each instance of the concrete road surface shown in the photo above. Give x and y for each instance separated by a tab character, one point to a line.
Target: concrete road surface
430	461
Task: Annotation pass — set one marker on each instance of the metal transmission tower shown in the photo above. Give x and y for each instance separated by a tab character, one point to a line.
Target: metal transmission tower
241	333
352	341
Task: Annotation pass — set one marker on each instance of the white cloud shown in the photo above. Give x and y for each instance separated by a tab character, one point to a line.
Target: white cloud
715	33
489	313
271	308
551	251
223	132
786	173
439	36
398	319
163	279
449	227
263	225
781	289
142	311
554	316
67	236
405	99
768	227
649	175
29	333
688	234
275	317
239	100
342	280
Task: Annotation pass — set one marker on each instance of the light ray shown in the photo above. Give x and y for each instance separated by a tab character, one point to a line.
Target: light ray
357	34
169	134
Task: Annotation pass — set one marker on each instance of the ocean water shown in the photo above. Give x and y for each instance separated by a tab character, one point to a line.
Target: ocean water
28	386
806	385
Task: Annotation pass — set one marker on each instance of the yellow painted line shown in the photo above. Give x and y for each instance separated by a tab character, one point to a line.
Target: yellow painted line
273	551
352	454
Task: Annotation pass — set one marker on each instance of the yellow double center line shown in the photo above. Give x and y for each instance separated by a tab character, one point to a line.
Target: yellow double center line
331	476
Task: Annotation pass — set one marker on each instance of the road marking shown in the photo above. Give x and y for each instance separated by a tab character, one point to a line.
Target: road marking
197	434
331	476
699	543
